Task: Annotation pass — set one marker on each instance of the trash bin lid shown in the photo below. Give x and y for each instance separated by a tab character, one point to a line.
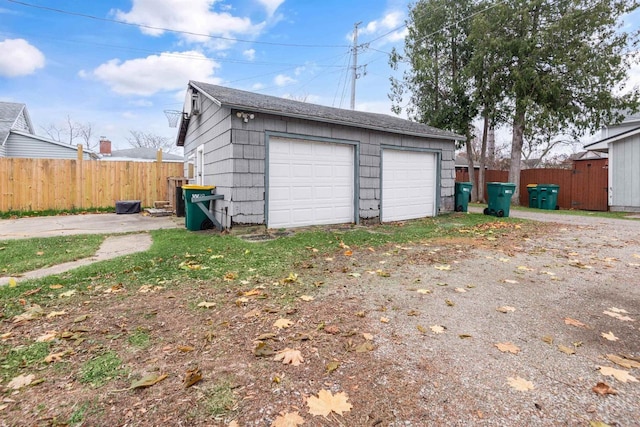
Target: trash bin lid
532	185
197	187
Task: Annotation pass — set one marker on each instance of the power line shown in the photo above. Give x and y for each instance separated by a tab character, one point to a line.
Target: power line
151	27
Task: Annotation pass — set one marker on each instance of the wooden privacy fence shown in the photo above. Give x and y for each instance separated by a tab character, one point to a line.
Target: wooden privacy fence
583	187
40	184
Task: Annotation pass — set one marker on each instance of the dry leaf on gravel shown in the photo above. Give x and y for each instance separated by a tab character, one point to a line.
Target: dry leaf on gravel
524	268
290	419
48	336
507	347
566	350
618	374
609	336
520	384
574	322
384	319
326	403
306	298
206	304
289	356
460	290
365	347
67	294
367	336
31	313
623	361
20	381
446	267
147	381
618	310
56	314
506	309
55	357
598	424
619	316
282	323
603	389
510	281
437	329
192	376
424	291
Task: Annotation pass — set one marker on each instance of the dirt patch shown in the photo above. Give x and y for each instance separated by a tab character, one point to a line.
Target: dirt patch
367	332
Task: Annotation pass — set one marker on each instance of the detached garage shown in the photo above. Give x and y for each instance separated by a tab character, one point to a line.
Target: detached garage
285	163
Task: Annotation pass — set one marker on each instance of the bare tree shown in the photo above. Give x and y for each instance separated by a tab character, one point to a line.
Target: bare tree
70	131
139	139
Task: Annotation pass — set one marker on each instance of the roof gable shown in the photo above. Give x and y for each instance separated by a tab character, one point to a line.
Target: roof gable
239	99
603	144
11	115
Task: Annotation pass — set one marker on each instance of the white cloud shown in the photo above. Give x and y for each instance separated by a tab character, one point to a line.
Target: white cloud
386	23
271	5
283	80
155	73
299	70
250	54
193	16
257	86
19	58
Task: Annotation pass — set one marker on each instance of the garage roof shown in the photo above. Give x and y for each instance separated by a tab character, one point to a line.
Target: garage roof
239	99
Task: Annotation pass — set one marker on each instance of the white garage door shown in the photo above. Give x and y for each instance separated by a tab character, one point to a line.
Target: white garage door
310	183
408	184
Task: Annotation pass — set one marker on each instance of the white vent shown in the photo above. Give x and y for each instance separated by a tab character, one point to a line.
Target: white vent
195	103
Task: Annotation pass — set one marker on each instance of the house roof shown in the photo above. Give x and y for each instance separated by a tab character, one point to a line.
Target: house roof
603	144
9	113
239	99
142	154
90	153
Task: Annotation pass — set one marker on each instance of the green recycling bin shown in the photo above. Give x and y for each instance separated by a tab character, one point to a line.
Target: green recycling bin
534	200
499	194
462	196
194	218
548	195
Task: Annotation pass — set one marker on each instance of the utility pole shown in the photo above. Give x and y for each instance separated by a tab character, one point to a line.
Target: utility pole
354	68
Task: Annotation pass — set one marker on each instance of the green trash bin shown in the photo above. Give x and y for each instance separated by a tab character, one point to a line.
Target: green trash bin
499	194
194	218
534	200
462	196
548	195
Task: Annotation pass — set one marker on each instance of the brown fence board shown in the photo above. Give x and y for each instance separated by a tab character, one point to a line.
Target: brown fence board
560	177
40	184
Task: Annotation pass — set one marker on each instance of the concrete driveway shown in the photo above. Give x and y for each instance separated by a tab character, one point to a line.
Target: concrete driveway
64	225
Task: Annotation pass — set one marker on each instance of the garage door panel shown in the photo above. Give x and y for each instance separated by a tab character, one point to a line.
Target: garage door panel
319	182
408	184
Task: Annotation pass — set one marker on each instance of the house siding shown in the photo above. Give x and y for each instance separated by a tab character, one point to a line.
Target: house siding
27	147
212	127
22	123
624	158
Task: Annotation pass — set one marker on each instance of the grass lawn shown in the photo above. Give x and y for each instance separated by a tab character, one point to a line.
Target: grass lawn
22	255
615	215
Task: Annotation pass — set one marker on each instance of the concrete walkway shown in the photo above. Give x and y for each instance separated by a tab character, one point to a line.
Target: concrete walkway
112	247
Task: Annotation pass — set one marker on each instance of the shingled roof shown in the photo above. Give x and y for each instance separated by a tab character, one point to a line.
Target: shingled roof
240	99
9	112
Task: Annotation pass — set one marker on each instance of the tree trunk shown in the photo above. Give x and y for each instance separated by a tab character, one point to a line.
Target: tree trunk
472	171
483	156
516	151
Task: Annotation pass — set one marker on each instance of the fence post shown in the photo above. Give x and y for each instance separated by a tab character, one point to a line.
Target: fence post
159	186
80	178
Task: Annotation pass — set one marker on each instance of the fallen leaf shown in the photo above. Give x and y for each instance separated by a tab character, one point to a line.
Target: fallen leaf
32	292
81	318
365	347
56	287
598	424
609	336
67	294
383	273
31	313
574	322
618	374
524	268
464	336
56	314
348	253
504	259
413	313
20	381
289	357
147	381
233	423
290	419
618	310
449	302
548	339
191	377
460	290
513	282
619	316
326	403
437	329
332	366
520	384
506	309
206	304
282	323
12	282
446	267
384	319
55	357
49	336
424	291
623	361
343	246
267	336
354	274
507	347
422	329
263	350
368	337
291	278
307	298
185	348
566	350
603	389
252	292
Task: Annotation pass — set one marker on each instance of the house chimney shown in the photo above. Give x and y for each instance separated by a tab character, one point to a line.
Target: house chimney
105	146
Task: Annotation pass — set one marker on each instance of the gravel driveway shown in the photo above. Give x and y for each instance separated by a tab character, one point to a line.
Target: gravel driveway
564	289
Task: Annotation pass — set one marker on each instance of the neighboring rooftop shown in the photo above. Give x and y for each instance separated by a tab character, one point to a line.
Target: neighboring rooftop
239	99
148	154
9	112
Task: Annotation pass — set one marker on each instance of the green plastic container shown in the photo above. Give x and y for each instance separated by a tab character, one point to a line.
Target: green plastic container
534	200
548	195
462	196
194	218
499	194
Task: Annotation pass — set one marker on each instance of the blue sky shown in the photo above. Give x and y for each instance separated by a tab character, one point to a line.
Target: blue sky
76	61
112	65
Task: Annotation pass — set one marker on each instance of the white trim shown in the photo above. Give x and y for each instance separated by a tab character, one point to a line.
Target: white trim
199	165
